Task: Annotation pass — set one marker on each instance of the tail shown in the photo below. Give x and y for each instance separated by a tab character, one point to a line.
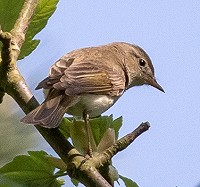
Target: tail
49	114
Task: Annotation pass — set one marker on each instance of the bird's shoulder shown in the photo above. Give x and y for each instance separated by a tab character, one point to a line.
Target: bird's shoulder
86	72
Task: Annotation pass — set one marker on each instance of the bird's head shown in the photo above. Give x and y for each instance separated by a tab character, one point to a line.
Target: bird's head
138	66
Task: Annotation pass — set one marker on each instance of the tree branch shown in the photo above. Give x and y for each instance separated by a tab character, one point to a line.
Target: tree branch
22	23
120	145
96	179
104	159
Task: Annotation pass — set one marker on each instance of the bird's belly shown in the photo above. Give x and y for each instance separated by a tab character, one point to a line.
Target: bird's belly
95	105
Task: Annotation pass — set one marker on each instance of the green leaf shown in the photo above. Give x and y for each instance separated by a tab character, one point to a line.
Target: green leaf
117	123
64	127
103	132
107	140
30	170
99	126
8	183
43	12
58	163
28	47
79	137
9	12
128	182
74	181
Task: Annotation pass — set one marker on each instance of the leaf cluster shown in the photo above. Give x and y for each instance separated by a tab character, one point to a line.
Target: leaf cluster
9	12
40	169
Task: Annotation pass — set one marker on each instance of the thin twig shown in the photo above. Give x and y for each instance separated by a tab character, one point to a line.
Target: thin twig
121	144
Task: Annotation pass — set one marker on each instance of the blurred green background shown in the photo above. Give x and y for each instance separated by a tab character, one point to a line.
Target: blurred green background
15	137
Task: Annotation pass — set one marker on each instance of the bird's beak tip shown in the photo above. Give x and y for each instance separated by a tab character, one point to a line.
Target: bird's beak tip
161	89
155	84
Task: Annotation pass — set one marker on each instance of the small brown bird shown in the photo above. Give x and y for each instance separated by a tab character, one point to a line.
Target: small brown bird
88	81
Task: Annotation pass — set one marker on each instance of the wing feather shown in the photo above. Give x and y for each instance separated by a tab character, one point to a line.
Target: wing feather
86	77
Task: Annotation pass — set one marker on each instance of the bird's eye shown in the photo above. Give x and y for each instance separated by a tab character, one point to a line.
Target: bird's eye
142	62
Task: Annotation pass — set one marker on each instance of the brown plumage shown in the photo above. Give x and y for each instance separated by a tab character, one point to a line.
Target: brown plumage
91	80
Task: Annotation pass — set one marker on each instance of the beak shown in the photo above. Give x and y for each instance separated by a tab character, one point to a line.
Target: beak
154	83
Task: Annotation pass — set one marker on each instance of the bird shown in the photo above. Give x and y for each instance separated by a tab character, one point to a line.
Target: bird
88	81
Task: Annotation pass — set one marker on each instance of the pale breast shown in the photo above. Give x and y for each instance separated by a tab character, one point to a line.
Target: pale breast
95	105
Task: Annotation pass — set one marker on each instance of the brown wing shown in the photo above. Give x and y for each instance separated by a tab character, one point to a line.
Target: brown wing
86	77
56	72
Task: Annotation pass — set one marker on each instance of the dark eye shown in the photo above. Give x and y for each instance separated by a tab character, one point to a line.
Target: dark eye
142	62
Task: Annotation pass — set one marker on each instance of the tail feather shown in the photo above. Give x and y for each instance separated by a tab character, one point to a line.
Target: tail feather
50	112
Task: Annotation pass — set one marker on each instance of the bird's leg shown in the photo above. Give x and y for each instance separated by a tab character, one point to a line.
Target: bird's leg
87	126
